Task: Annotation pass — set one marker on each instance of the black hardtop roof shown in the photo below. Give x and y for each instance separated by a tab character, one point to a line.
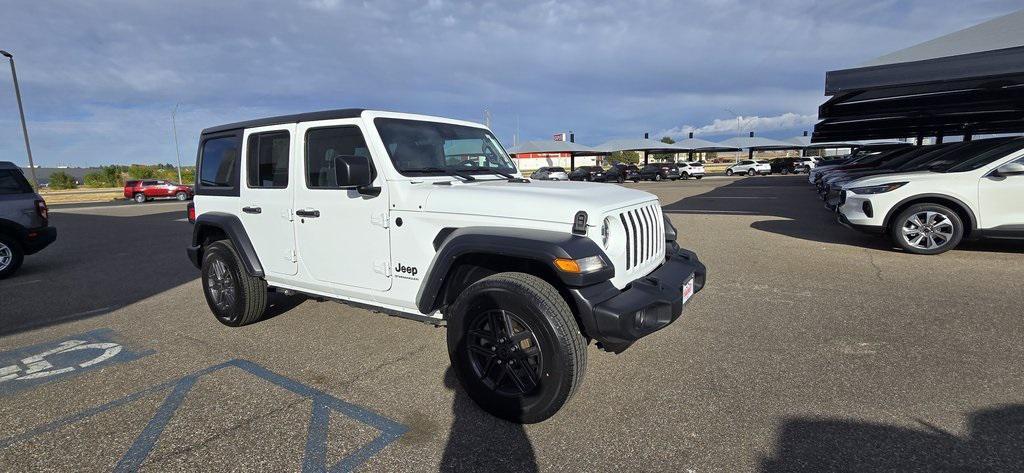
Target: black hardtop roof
8	165
295	118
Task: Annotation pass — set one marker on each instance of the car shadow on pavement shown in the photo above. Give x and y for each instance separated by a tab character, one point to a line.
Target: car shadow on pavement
994	442
479	441
98	264
801	214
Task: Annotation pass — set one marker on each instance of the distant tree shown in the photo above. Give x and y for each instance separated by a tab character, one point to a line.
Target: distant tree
139	171
629	157
188	176
61	180
667	139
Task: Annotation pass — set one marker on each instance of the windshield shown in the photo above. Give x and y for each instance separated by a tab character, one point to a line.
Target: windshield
422	147
982	159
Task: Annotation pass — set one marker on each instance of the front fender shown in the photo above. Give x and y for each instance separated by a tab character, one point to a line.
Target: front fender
542	246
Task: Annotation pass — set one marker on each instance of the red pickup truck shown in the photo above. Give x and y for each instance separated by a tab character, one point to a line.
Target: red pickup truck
148	189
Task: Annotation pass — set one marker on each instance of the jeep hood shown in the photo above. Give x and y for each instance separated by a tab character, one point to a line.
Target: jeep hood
553	201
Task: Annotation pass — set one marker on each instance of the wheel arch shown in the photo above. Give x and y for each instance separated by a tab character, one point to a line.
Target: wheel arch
469	254
213	226
962	209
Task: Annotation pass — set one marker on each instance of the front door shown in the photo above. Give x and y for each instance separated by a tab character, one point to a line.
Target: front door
1000	200
342	235
266	196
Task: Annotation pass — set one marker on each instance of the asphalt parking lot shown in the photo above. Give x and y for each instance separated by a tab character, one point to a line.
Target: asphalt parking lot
812	348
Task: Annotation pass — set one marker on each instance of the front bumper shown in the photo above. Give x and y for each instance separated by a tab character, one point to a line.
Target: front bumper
616	319
36	239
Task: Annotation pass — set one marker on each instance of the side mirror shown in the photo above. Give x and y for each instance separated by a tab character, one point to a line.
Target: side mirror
1010	169
355	171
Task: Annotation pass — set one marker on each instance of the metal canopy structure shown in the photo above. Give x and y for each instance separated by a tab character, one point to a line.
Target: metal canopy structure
646	145
554	147
757	143
967	82
699	145
551	147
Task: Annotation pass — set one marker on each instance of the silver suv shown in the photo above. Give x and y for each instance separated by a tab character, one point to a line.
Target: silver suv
24	220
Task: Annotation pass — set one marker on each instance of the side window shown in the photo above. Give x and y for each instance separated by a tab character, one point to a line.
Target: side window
218	165
12	182
149	183
268	160
323	145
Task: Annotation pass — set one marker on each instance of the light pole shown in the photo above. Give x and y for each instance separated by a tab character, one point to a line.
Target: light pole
21	111
174	129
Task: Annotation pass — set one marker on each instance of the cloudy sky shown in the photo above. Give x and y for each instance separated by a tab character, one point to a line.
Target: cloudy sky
100	79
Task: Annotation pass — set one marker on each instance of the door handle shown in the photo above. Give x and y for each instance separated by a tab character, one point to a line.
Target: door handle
252	210
308	213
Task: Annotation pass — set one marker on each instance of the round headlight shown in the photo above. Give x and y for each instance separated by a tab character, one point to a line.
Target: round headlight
605	231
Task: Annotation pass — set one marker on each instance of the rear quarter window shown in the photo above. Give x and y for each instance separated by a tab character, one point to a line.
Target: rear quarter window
219	164
13	182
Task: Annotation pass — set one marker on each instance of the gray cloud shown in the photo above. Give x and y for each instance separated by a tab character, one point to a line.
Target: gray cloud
100	78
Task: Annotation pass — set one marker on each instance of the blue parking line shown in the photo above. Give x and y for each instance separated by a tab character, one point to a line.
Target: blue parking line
319	425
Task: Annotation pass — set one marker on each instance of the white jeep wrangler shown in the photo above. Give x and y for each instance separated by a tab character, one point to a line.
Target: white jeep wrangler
428	218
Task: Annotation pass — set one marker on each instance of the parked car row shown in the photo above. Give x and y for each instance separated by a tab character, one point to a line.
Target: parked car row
927	199
622	172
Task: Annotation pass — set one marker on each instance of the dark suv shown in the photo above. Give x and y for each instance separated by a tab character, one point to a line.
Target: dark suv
620	172
24	220
587	173
658	172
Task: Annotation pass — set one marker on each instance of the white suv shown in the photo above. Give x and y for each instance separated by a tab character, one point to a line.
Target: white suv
428	218
750	168
930	212
688	169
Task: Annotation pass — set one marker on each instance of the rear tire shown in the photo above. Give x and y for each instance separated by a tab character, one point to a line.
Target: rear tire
700	177
11	256
140	198
515	347
751	172
785	171
657	177
234	297
620	180
927	229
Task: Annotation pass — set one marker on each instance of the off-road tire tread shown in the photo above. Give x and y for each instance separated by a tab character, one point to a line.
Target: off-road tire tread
253	289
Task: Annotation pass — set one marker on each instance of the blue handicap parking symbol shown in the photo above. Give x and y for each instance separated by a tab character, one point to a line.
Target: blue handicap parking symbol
315	458
31	366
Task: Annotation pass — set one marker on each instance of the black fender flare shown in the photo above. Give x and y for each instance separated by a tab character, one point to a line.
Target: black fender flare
972	224
235	231
14	229
542	246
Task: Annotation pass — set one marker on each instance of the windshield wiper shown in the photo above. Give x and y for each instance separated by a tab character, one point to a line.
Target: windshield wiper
490	171
446	171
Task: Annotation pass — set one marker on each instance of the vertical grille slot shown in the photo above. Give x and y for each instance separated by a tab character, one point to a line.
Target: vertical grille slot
635	240
625	227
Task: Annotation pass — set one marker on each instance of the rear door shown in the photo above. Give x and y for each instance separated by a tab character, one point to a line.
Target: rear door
1001	202
266	196
342	236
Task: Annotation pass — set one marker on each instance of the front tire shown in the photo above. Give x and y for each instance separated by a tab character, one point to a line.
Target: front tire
927	229
11	256
620	180
181	196
515	347
728	172
234	297
700	177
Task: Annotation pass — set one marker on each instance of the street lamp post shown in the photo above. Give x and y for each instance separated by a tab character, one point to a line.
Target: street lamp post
177	150
21	111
